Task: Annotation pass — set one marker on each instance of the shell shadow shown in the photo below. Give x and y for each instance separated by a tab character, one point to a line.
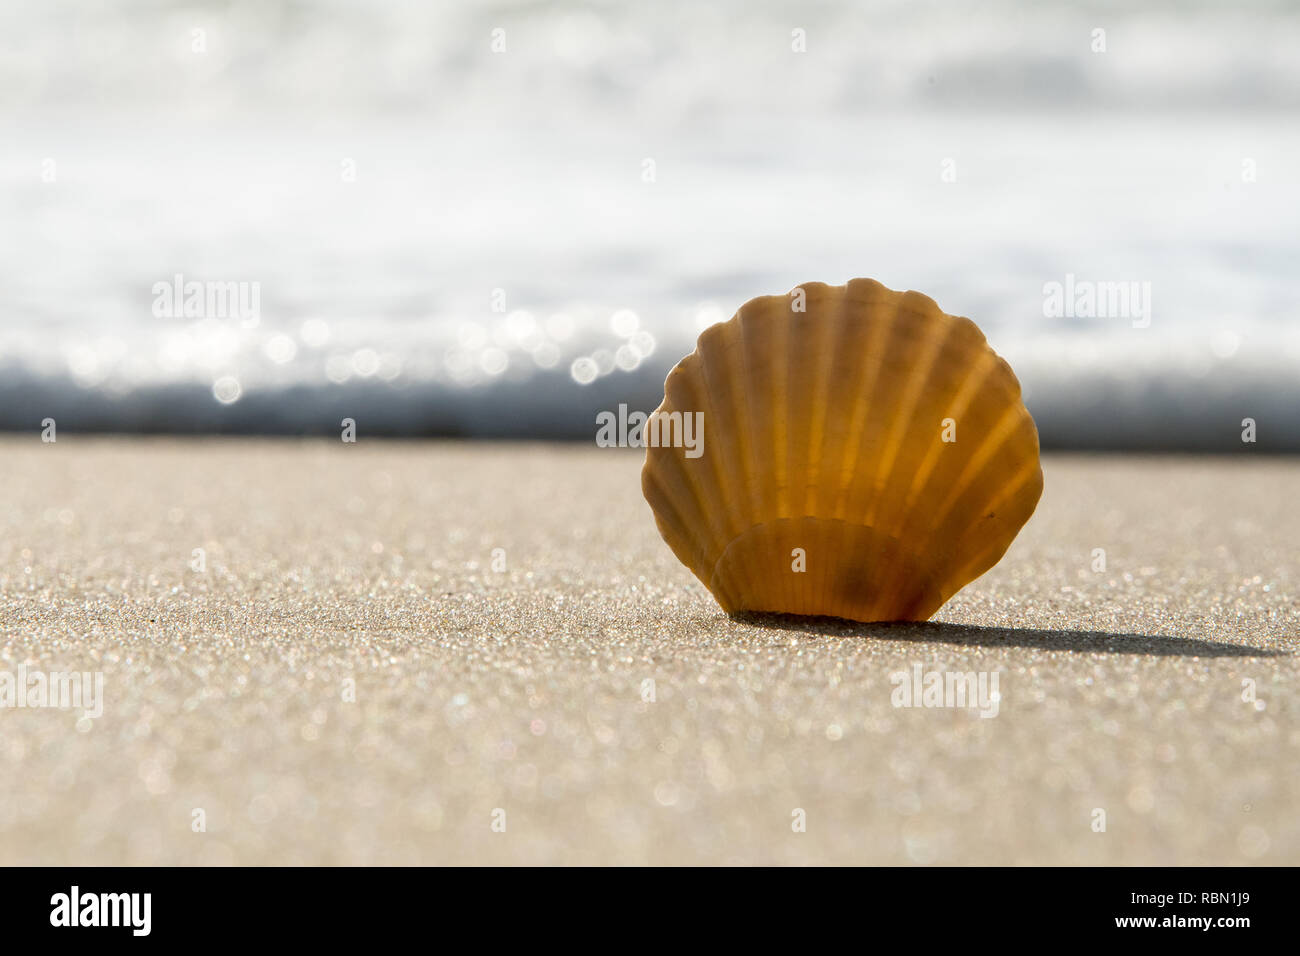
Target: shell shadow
969	635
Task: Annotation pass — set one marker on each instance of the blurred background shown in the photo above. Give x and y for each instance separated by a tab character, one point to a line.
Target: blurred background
496	219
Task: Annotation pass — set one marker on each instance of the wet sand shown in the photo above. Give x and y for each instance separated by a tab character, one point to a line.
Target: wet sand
357	675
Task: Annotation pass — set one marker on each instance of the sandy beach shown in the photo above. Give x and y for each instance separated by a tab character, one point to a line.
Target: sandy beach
349	671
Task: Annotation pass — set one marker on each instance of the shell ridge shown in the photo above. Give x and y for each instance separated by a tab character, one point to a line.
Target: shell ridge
891	379
710	438
997	437
824	347
1030	473
781	423
955	411
904	420
690	472
985	517
656	490
983	559
747	378
897	518
850	462
752	452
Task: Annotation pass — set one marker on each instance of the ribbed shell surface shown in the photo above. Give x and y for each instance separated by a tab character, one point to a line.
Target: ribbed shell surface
864	455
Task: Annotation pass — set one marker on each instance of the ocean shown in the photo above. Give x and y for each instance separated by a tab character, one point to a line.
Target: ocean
500	219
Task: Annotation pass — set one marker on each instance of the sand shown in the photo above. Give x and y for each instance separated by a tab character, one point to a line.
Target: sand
350	679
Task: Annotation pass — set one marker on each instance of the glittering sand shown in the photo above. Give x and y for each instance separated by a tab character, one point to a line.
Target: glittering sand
521	689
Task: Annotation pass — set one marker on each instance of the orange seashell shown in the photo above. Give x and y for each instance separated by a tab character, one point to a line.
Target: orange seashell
865	457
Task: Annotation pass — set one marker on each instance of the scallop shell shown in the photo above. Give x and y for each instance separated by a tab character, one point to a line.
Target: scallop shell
863	458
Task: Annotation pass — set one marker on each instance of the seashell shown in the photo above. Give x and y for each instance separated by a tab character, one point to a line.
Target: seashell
863	458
